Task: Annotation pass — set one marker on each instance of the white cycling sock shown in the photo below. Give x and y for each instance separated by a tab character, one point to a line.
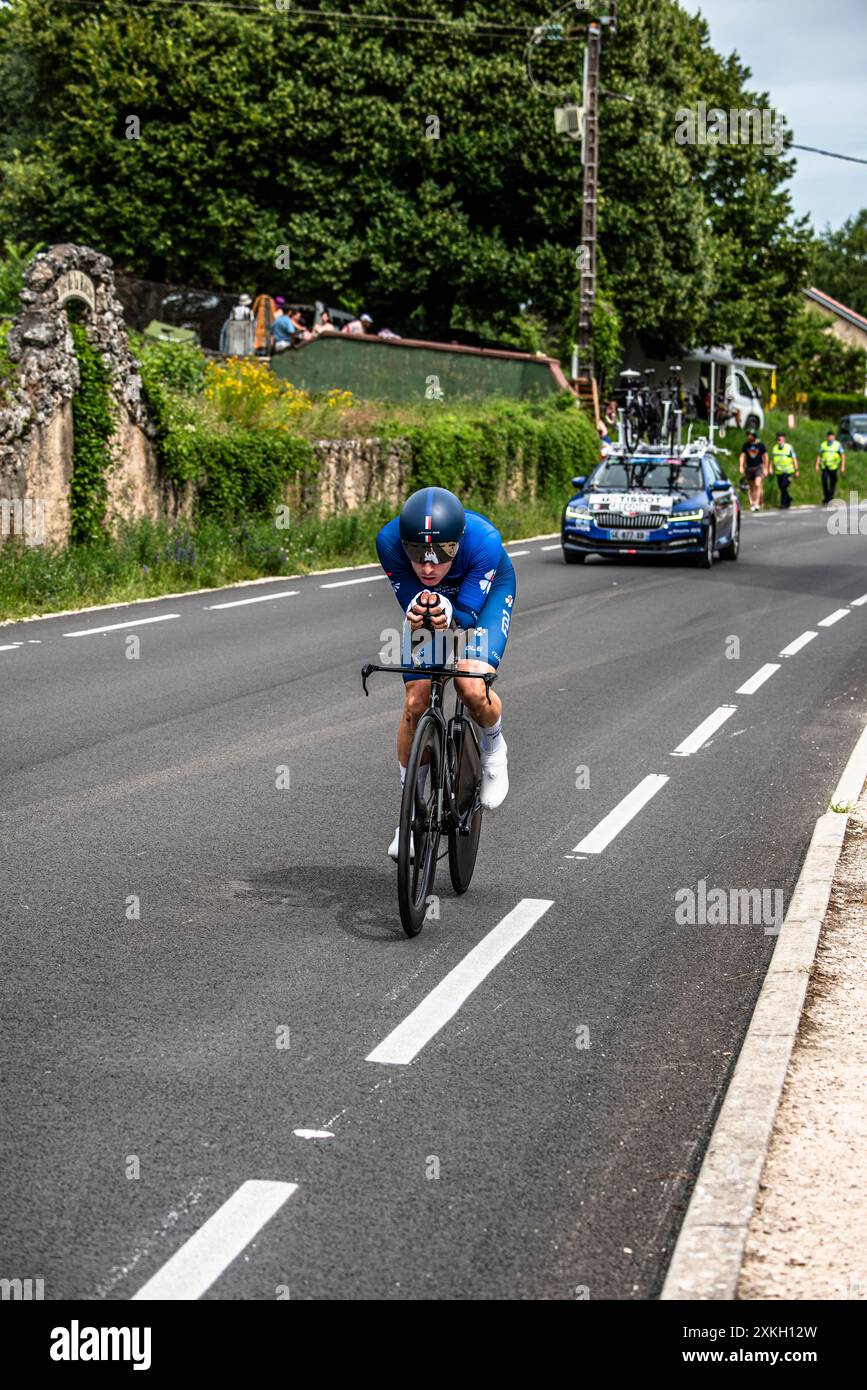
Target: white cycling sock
490	739
422	777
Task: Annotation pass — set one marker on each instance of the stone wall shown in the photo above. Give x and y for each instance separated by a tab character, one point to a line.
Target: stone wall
357	472
36	417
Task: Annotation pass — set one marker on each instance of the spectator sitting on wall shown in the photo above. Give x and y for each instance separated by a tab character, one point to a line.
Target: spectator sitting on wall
359	326
387	333
284	331
324	324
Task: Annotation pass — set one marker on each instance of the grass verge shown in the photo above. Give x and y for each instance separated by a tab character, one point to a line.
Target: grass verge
146	559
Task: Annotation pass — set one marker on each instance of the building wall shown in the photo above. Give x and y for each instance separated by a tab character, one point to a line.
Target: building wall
847	332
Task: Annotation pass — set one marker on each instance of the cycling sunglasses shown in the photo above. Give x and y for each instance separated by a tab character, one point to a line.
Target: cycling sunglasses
436	552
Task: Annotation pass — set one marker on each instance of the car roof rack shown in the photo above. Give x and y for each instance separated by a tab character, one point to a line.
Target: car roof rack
695	449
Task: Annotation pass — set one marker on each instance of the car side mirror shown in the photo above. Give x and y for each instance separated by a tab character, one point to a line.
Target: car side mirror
578	482
720	486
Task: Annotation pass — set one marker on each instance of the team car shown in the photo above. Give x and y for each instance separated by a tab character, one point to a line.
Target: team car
654	503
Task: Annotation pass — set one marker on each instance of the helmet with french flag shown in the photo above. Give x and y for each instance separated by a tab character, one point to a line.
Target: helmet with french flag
432	524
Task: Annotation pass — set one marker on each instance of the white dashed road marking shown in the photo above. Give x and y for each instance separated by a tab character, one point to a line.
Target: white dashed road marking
260	598
623	813
706	730
794	647
342	583
443	1002
834	617
199	1263
115	627
763	674
859	602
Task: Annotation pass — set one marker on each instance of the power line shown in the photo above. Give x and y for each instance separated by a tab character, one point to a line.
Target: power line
425	23
829	154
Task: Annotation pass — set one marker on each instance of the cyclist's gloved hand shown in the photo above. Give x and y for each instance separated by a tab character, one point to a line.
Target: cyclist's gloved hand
429	610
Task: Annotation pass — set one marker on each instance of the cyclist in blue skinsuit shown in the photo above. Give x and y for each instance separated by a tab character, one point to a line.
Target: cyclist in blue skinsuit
448	568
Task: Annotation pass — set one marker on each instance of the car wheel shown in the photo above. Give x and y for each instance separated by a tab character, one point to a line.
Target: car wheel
733	549
574	557
705	559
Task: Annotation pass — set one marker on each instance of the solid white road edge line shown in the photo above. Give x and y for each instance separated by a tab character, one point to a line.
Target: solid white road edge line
794	647
115	627
709	1251
199	1263
261	598
708	727
623	813
443	1002
834	617
342	583
763	674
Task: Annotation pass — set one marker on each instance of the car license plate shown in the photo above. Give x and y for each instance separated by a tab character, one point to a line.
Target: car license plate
629	535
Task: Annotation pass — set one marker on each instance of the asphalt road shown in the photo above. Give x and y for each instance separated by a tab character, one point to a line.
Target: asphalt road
199	963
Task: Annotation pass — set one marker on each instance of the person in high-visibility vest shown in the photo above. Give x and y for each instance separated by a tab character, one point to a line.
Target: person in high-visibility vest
832	460
784	466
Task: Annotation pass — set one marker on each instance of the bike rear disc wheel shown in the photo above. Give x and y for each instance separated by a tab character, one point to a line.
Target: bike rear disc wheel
632	427
418	827
464	848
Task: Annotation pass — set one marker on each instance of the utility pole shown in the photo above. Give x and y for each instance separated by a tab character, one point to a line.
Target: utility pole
590	160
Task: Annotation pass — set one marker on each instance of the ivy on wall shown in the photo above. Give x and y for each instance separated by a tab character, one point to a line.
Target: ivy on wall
93	426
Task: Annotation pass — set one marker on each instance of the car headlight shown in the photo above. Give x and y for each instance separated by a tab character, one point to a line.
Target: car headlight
860	438
688	516
578	513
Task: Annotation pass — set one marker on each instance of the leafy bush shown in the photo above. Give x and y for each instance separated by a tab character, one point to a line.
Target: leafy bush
176	367
93	425
825	405
13	263
7	368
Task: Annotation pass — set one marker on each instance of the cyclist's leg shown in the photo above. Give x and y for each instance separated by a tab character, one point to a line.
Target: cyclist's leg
415	701
484	652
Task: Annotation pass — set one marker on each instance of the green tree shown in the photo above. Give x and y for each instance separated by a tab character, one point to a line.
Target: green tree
263	129
840	267
817	361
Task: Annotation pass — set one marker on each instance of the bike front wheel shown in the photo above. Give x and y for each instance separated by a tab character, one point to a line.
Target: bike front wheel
419	838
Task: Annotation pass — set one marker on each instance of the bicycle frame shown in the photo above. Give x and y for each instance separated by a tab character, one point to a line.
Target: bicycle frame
438	676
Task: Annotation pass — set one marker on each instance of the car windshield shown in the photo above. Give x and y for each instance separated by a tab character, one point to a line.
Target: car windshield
654	475
857	422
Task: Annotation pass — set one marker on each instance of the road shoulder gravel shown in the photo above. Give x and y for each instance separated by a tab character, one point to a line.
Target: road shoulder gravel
709	1253
808	1234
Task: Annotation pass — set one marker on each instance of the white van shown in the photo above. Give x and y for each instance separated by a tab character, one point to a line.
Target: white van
743	400
743	407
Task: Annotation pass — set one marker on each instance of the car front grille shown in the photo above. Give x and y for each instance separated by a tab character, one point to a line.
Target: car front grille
644	521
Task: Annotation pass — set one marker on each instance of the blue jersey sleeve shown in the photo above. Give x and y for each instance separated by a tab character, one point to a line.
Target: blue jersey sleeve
484	550
393	559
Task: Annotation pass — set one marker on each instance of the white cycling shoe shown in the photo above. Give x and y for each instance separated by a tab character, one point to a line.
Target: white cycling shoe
495	778
393	847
